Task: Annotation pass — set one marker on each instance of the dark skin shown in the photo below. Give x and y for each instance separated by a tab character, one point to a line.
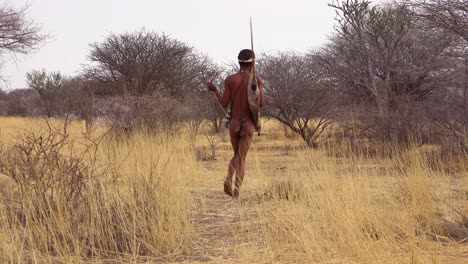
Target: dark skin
241	127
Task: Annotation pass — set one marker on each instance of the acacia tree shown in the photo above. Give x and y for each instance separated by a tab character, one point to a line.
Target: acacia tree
50	87
3	101
79	94
18	34
373	41
23	102
383	56
152	73
451	110
451	17
297	94
143	62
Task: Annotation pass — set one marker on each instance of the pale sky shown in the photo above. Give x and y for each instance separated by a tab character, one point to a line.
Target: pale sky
218	28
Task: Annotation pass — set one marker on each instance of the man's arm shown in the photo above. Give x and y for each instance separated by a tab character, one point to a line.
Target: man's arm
222	99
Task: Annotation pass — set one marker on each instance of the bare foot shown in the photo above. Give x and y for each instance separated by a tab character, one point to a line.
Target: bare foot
227	189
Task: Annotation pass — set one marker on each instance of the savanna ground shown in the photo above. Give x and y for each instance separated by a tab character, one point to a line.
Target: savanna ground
155	197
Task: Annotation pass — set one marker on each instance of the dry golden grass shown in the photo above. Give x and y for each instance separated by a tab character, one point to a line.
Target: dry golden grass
144	214
297	205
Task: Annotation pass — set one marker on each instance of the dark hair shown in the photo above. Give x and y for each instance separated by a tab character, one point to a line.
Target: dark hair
245	54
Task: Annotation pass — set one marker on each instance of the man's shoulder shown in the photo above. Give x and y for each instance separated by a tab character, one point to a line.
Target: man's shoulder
232	78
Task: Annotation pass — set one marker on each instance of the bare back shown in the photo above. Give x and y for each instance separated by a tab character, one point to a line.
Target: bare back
241	115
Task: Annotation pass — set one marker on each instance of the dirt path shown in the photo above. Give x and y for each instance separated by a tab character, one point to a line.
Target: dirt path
227	230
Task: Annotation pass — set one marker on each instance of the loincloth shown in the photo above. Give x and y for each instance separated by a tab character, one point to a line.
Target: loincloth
238	127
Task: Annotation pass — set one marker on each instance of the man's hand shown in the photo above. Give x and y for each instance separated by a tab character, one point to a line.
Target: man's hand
211	86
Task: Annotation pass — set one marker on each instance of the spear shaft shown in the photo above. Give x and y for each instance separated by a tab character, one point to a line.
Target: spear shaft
252	45
253	93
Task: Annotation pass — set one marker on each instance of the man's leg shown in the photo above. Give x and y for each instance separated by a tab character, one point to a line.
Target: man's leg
244	144
233	164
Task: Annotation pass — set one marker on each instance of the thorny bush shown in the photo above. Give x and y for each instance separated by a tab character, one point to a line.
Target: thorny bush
46	166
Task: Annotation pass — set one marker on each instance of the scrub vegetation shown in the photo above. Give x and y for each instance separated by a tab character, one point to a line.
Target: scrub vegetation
71	196
363	156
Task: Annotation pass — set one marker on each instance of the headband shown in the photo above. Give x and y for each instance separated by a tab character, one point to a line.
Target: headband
248	60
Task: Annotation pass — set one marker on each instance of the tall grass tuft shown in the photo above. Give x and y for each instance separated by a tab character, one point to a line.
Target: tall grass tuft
100	198
354	210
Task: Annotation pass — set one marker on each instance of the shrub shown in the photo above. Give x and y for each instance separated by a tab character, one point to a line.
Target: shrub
94	197
151	112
